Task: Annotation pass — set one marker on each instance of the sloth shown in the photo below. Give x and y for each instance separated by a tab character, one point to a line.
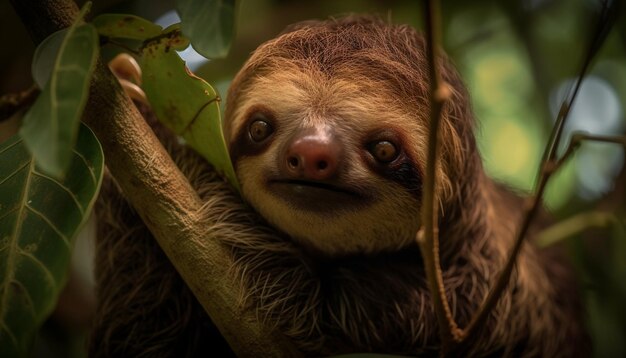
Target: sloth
327	129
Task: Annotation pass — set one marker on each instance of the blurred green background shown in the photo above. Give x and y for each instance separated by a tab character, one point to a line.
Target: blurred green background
518	58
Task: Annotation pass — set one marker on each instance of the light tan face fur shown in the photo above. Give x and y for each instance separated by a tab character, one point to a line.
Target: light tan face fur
355	109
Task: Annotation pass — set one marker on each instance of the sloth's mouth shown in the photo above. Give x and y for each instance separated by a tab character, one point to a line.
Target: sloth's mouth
316	195
316	184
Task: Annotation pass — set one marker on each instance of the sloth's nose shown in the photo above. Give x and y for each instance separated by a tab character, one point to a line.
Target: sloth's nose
314	155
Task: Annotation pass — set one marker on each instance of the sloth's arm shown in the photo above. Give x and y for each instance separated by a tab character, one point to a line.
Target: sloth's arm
144	307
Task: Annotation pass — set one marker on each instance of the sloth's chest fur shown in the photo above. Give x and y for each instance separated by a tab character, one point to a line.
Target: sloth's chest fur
381	303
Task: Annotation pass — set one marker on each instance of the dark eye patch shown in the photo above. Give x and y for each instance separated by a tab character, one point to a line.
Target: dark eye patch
253	137
407	175
397	166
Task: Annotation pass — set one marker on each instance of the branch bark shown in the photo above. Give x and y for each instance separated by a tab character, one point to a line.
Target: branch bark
160	194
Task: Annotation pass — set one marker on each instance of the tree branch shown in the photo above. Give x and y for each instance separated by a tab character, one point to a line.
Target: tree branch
548	168
577	140
549	164
161	195
427	237
13	102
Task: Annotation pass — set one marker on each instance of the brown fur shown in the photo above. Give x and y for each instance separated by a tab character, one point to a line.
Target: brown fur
144	308
360	302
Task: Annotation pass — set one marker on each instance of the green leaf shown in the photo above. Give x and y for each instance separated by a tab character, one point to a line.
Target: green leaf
50	126
39	219
126	27
186	104
45	57
209	24
175	38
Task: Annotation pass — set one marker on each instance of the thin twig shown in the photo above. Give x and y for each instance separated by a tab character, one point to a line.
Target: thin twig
11	103
548	166
576	141
605	22
427	237
534	203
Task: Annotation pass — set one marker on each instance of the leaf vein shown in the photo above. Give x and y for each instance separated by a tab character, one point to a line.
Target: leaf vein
91	172
72	68
29	298
11	146
9	212
9	333
14	172
51	281
70	193
13	246
51	224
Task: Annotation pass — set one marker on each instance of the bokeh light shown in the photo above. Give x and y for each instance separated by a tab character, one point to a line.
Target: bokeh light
510	135
596	110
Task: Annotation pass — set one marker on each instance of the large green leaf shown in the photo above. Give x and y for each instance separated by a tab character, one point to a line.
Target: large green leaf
39	218
50	126
186	104
45	56
126	26
209	24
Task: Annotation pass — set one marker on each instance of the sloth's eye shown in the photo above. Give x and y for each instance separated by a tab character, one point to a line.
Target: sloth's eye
260	129
384	151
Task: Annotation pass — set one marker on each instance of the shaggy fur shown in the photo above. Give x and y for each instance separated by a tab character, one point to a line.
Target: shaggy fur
144	308
356	303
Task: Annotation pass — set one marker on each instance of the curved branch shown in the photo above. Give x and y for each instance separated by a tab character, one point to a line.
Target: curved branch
161	195
548	166
428	235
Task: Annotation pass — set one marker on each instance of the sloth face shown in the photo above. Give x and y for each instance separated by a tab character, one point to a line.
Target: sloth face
327	160
327	128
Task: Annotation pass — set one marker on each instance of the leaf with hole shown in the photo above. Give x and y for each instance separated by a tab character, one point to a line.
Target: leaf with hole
175	38
39	219
209	24
50	126
126	27
186	104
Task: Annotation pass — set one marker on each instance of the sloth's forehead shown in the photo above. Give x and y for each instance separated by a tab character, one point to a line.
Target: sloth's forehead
310	97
